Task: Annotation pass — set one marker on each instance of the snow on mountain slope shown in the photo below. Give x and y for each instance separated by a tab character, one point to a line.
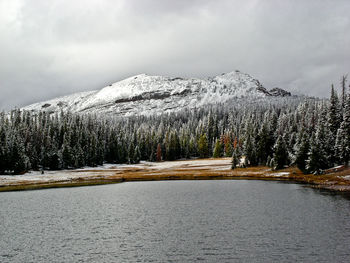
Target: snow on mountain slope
143	94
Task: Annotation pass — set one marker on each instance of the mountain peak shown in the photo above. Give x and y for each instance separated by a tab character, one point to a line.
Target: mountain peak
145	94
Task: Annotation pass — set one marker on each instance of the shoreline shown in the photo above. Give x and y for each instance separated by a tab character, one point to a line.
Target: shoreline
197	169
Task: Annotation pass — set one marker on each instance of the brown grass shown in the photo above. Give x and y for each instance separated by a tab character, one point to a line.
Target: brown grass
333	181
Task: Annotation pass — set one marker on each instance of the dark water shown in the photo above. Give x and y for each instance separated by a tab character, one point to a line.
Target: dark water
177	221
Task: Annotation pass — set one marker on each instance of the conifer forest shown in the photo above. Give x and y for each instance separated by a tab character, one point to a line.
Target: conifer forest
312	134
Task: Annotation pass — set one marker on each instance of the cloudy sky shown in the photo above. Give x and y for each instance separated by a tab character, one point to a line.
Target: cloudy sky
57	47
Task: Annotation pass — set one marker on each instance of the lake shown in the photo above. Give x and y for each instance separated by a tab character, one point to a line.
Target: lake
175	221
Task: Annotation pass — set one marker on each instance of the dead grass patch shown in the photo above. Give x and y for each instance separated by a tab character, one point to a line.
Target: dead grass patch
206	169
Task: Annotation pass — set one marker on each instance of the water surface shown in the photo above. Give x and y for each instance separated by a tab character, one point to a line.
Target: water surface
175	221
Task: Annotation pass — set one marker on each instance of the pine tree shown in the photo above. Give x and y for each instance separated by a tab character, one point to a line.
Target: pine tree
228	147
268	161
217	149
280	155
4	151
343	85
343	135
203	146
131	153
334	113
137	155
323	144
20	161
159	153
175	145
193	148
250	151
302	150
235	159
314	161
54	161
210	131
67	154
264	143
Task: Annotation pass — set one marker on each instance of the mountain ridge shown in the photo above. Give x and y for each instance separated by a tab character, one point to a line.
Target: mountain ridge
145	94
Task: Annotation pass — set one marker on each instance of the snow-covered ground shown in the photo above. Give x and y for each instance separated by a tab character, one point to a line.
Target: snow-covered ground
112	169
200	163
49	176
346	177
280	174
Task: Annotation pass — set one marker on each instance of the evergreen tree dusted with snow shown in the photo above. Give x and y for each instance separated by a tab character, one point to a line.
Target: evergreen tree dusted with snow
343	135
315	160
235	158
249	151
137	155
301	150
203	146
19	160
211	132
334	112
159	153
322	138
280	156
343	86
217	149
265	142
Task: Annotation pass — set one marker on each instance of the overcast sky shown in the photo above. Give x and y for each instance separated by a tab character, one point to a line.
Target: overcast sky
58	47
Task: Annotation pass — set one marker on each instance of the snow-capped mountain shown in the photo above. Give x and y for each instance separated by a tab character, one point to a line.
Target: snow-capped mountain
144	94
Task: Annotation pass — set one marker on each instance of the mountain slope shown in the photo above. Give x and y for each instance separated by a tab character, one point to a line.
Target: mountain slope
143	94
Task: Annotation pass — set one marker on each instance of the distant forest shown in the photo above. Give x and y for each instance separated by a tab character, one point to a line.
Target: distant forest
312	134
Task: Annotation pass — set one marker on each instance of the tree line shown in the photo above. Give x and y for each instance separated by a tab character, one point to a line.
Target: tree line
310	133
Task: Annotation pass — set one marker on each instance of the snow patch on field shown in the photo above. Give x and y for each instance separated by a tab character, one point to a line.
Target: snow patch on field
113	169
280	174
200	163
50	176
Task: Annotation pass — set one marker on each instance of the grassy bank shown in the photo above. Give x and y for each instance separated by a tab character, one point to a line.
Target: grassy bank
203	169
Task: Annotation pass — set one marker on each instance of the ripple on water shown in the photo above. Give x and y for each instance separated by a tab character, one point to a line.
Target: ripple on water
178	221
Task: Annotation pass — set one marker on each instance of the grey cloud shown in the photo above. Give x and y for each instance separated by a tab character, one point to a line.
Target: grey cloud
52	48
